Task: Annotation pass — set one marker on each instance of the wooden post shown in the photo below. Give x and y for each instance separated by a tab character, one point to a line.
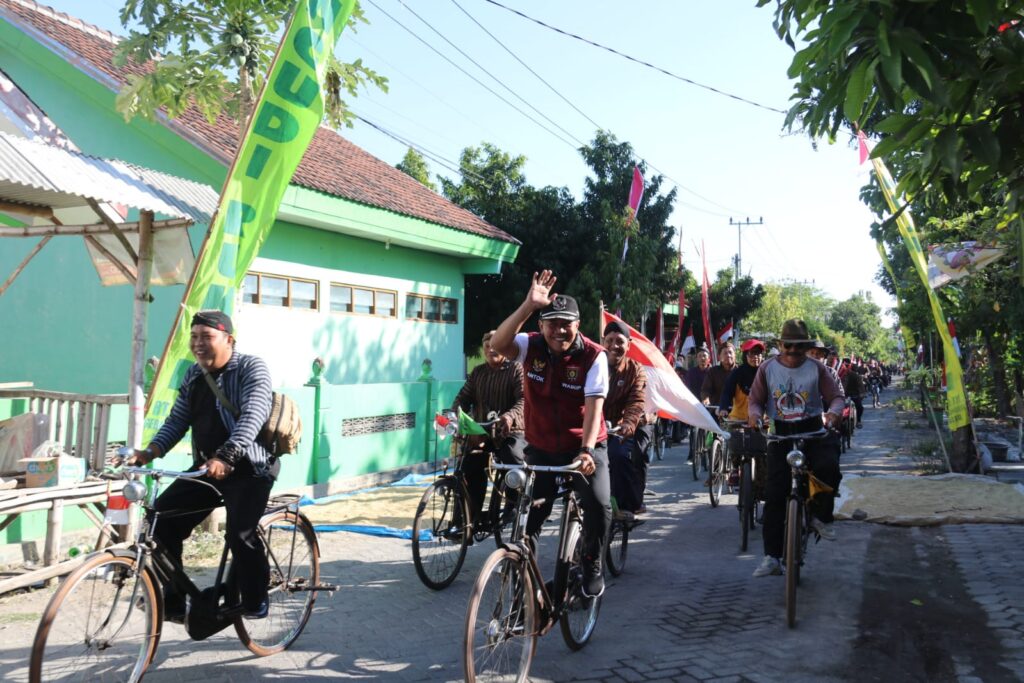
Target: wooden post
54	529
136	385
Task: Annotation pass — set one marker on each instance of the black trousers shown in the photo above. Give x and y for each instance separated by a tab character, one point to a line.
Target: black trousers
858	402
823	460
593	493
184	504
474	469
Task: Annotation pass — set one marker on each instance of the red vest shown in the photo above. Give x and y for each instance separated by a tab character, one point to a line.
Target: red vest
553	392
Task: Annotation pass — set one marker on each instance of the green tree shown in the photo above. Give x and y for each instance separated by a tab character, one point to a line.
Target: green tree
413	164
729	300
858	316
781	301
214	54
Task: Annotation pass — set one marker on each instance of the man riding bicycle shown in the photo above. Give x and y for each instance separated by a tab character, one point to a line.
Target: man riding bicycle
496	386
565	388
794	391
239	468
624	408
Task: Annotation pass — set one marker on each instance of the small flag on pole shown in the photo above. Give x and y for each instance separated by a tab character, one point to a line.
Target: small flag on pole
690	343
725	334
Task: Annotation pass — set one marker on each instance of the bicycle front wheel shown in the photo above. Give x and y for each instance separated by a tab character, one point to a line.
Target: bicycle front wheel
716	472
579	613
102	624
294	557
501	621
793	533
618	546
659	440
440	533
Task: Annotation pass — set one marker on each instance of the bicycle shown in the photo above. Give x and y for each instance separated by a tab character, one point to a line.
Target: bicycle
798	513
699	463
662	433
617	547
442	527
748	447
847	426
717	456
874	386
511	604
105	619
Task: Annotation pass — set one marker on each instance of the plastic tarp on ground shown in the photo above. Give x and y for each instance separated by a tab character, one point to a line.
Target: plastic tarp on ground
909	500
385	511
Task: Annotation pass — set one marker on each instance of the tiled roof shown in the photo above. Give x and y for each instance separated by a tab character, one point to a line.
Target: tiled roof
332	164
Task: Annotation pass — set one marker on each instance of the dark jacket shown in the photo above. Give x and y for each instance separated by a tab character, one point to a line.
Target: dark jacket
626	395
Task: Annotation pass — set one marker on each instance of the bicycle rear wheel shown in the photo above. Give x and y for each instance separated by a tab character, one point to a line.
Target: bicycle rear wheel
746	503
501	621
716	472
794	531
294	557
579	613
618	546
440	533
103	623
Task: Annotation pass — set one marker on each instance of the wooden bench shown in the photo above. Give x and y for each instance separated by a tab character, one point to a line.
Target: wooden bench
80	424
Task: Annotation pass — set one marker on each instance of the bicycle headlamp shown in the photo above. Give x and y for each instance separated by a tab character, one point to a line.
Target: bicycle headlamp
795	459
134	491
515	479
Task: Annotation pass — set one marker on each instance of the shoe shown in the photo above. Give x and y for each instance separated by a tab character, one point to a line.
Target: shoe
734	479
174	609
689	461
624	515
648	492
593	577
822	529
641	510
859	425
260	612
770	566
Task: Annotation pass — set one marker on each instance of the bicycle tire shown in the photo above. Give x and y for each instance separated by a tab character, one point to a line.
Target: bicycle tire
438	543
659	440
617	549
505	588
294	556
793	533
746	503
95	592
579	613
716	472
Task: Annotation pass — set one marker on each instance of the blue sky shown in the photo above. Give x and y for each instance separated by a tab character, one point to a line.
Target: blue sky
736	157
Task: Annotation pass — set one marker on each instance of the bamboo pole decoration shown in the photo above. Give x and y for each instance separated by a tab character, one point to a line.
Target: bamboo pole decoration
137	381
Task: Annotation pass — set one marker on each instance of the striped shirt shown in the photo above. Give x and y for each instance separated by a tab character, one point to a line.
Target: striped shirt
245	382
494	389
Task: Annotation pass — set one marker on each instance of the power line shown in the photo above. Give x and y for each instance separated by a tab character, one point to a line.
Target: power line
717	91
471	76
493	77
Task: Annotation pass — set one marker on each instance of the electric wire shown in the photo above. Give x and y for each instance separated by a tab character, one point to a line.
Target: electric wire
469	75
639	61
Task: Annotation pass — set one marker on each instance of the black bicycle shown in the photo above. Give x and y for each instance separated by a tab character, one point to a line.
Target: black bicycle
717	465
661	436
511	604
747	446
104	622
617	547
443	525
798	513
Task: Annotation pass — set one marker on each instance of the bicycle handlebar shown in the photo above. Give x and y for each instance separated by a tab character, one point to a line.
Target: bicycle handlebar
571	468
804	435
154	472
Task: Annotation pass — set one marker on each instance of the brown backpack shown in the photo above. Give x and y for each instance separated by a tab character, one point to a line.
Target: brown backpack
281	432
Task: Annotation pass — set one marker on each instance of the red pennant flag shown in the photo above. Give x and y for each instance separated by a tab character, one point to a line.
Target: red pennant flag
862	144
636	191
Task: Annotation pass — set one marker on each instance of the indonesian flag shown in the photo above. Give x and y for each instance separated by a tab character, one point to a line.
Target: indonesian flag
636	192
666	392
704	288
726	334
690	343
117	509
952	335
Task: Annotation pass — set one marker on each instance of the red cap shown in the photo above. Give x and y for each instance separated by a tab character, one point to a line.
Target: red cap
752	344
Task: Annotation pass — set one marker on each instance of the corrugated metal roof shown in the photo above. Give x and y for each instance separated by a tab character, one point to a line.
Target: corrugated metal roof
39	174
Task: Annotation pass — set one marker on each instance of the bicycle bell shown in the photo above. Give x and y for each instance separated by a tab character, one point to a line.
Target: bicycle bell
134	491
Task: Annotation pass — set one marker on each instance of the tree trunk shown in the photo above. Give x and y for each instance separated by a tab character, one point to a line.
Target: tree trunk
998	365
962	456
244	102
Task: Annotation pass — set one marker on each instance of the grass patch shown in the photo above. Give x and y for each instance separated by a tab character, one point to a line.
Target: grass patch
927	454
906	404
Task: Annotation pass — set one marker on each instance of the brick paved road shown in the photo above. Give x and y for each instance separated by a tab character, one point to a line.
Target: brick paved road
881	604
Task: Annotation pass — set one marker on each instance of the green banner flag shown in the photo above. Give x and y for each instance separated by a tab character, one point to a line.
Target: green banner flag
908	337
956	399
285	117
468	426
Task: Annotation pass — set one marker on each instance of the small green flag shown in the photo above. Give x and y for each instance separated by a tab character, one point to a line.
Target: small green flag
468	426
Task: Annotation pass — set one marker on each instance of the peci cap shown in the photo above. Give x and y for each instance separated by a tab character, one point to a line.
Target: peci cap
752	344
618	328
562	307
218	320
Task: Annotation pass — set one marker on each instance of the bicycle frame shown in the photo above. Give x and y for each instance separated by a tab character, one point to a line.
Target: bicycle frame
551	607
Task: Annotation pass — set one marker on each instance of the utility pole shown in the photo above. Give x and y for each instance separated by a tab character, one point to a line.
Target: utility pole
739	253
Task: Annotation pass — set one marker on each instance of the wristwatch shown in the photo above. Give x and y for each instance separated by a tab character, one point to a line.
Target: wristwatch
588	450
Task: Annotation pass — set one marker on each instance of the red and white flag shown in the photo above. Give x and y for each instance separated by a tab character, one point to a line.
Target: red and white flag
952	335
666	392
690	343
725	334
118	509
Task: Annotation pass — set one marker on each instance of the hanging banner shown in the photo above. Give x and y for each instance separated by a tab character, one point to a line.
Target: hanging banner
285	117
956	400
949	262
908	337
